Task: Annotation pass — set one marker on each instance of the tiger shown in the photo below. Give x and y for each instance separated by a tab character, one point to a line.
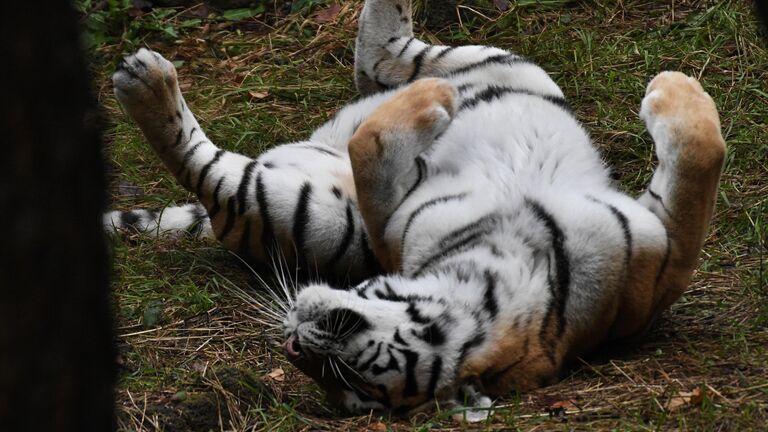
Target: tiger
468	235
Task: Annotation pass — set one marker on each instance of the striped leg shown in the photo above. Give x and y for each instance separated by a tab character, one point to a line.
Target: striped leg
384	153
387	55
664	229
685	126
278	204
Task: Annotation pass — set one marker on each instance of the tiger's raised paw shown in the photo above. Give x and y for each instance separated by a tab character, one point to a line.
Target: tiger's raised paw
682	119
146	86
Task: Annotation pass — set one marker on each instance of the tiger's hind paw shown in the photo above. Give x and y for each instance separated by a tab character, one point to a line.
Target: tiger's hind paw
682	119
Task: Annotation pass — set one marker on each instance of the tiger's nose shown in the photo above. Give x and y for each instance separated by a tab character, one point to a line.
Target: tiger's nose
292	347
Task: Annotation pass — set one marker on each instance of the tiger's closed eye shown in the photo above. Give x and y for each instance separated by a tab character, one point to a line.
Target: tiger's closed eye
342	322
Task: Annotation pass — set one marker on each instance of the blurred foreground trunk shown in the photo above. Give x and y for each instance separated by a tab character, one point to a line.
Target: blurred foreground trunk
56	342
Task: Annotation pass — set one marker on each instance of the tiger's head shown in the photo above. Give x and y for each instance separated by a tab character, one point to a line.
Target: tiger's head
381	346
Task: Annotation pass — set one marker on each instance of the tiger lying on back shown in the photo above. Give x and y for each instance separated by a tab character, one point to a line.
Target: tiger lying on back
505	249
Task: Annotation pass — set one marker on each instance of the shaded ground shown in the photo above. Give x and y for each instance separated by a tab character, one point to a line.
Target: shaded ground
255	80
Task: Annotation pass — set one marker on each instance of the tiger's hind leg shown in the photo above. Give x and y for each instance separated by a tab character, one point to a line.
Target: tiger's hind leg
296	202
384	153
684	124
387	55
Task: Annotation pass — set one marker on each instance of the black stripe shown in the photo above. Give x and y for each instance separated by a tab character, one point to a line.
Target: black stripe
243	187
391	365
432	335
561	288
411	359
399	339
187	157
125	67
129	219
204	172
321	150
417	63
198	215
405	47
489	299
177	141
492	60
268	241
416	315
434	376
301	219
464	87
349	233
378	62
461	239
658	198
474	341
665	259
230	222
216	206
372	264
624	222
451	250
245	240
495	92
192	132
421	172
483	224
443	53
391	295
364	367
421	167
425	206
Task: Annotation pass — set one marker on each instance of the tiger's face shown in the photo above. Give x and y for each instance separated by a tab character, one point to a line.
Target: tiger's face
375	348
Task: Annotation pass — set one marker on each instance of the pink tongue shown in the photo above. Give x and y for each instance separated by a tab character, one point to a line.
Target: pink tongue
289	346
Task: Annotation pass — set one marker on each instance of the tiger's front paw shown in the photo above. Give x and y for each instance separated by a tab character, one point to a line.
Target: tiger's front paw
146	86
415	117
682	118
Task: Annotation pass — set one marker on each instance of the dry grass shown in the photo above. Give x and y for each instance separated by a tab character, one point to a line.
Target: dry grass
194	356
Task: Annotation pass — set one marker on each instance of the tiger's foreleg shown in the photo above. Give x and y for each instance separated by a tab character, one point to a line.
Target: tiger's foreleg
385	154
146	86
296	203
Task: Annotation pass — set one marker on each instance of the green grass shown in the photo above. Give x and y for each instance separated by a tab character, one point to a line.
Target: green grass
265	79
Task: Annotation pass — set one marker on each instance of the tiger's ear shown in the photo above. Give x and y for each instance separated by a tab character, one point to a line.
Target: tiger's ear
470	405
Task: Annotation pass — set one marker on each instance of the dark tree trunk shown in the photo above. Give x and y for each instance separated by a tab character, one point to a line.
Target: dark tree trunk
439	14
56	341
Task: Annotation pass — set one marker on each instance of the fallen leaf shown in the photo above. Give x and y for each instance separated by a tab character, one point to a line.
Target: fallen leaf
378	426
501	5
128	189
152	313
560	408
185	84
682	399
277	375
569	405
328	14
258	95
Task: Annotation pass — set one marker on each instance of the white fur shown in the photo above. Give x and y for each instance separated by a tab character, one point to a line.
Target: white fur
517	161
